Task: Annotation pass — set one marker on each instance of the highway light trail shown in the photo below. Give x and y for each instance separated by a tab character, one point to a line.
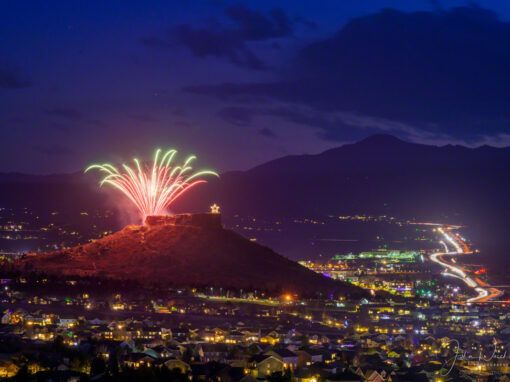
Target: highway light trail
451	240
485	292
482	295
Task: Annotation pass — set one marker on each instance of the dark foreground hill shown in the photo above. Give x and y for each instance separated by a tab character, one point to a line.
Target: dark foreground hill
186	250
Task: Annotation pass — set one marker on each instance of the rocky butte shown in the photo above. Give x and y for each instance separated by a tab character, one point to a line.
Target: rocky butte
185	250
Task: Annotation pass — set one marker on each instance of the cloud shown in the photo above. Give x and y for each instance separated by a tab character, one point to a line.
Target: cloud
66	113
97	123
329	126
436	73
62	127
307	23
255	26
10	78
240	116
265	132
178	112
183	124
53	150
222	43
66	116
144	118
155	41
231	43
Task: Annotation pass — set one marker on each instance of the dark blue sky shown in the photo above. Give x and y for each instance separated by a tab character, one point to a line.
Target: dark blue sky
243	82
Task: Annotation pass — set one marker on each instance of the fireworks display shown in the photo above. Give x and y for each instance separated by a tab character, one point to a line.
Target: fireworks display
153	188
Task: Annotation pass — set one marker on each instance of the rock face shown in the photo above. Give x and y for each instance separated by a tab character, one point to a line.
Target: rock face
185	250
207	221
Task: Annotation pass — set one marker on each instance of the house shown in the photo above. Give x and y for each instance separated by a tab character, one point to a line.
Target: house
206	371
8	368
135	360
150	352
60	375
374	376
254	349
230	374
327	368
346	376
289	358
6	318
67	322
261	365
272	340
180	334
248	378
211	352
373	343
372	360
172	364
162	351
307	356
305	375
235	336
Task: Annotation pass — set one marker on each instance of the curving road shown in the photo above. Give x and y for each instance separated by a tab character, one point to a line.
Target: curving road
485	292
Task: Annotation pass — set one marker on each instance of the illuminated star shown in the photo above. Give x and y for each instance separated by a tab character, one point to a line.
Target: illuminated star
215	209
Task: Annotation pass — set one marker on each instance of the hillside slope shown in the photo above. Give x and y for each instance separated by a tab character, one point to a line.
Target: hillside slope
185	250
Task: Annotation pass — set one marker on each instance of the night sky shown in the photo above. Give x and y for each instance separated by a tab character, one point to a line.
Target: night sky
240	83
